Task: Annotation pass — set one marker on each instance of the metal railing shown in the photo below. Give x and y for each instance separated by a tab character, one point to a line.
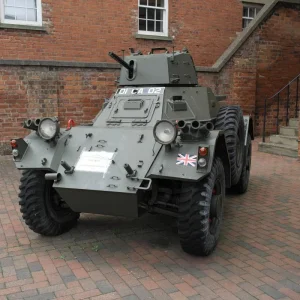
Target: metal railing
279	97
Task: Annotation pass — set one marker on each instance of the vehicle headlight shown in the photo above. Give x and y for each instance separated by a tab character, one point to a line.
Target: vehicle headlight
165	132
48	128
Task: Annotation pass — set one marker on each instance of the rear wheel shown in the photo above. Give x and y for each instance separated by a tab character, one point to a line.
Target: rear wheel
41	206
201	212
242	186
230	120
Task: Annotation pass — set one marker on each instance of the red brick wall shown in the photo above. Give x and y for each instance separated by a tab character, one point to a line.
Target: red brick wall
32	92
237	80
86	30
267	61
278	62
299	140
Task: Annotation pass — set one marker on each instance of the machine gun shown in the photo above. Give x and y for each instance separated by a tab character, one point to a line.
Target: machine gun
123	63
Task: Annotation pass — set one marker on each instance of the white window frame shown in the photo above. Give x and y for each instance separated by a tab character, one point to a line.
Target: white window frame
165	19
248	7
39	21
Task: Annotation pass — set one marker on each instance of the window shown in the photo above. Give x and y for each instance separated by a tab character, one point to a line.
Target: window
249	13
153	17
21	12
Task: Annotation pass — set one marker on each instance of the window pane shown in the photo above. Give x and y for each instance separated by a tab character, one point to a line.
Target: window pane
252	12
152	3
20	3
31	3
142	13
31	15
142	25
150	26
159	26
10	2
151	13
159	14
246	22
9	13
160	3
143	2
245	12
21	14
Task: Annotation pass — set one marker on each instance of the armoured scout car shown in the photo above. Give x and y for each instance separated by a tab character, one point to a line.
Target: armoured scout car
161	144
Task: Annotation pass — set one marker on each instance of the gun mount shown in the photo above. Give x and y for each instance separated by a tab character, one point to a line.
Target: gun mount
122	62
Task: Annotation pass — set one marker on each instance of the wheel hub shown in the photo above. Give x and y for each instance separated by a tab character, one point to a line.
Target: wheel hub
248	165
216	205
238	151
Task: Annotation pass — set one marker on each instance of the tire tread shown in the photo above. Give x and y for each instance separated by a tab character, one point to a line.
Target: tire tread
229	119
33	208
194	211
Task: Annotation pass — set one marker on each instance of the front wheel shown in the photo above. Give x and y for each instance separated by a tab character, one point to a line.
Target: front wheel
201	212
41	206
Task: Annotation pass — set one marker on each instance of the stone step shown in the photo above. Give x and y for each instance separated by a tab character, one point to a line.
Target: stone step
293	122
278	149
288	130
284	140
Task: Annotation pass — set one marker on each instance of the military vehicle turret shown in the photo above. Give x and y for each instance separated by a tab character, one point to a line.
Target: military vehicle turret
161	144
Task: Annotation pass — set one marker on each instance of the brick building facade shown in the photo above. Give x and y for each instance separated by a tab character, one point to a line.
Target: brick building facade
86	30
265	62
59	65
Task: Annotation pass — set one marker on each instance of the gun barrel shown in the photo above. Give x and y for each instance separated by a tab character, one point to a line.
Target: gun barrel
120	61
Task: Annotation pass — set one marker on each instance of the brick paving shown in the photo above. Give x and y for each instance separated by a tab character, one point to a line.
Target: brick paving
258	256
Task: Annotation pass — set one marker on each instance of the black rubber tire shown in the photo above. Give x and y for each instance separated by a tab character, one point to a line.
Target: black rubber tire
242	186
230	120
36	201
194	226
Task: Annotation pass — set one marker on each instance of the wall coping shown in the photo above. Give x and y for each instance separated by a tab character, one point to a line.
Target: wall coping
53	63
241	39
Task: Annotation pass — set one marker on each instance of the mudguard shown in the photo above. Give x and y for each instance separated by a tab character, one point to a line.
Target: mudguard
40	155
248	121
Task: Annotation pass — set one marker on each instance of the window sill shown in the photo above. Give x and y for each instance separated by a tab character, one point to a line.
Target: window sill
153	37
22	27
262	2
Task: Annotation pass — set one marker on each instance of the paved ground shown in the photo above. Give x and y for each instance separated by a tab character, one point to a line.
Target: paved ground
258	256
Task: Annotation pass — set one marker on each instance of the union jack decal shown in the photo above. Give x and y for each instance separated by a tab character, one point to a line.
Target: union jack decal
186	160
